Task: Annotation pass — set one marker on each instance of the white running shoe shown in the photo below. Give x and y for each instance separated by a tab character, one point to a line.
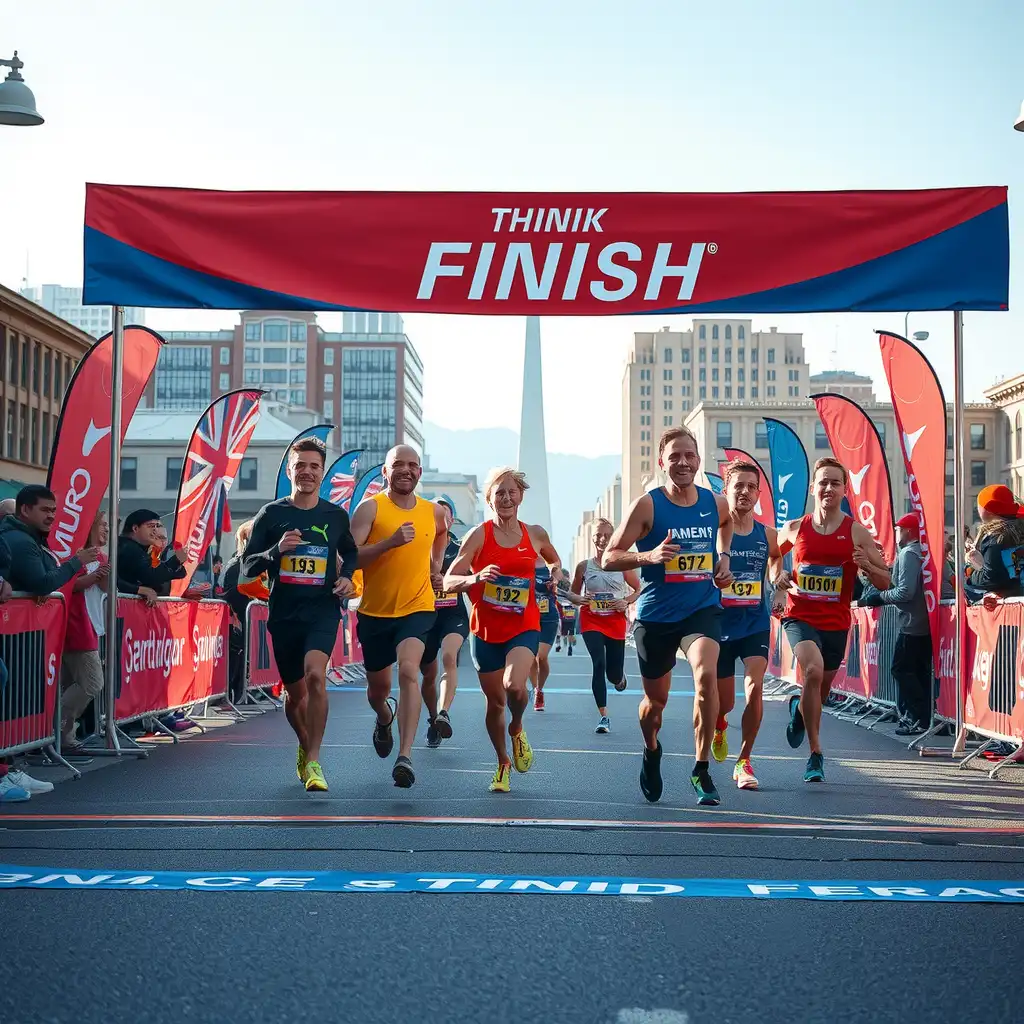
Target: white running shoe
32	786
743	774
605	725
10	793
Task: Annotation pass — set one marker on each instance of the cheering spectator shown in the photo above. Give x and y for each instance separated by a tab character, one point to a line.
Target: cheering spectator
138	571
997	555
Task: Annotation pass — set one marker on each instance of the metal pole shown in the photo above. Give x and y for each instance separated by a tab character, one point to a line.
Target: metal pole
113	647
959	523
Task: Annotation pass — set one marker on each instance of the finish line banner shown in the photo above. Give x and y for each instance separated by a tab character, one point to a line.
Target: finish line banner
548	253
14	876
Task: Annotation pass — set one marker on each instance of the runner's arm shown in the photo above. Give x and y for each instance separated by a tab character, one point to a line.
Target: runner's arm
724	527
774	553
362	523
260	554
637	524
347	550
460	574
577	578
543	546
784	539
869	559
440	544
632	581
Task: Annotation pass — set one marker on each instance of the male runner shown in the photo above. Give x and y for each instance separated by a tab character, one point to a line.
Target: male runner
446	638
567	612
297	541
828	548
746	624
682	533
402	540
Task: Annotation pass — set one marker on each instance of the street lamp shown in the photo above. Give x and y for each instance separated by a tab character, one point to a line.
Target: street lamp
918	335
17	104
1019	123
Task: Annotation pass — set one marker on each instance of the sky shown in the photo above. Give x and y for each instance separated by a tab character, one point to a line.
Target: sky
459	94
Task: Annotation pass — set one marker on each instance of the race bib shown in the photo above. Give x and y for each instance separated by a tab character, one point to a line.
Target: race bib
745	590
820	582
544	605
691	566
306	565
601	604
442	599
508	593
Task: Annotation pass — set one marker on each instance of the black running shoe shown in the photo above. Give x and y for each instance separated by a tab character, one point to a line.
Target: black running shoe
704	787
402	773
650	775
795	730
433	737
443	725
383	735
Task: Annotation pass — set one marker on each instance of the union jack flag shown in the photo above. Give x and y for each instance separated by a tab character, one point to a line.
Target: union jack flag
214	454
340	478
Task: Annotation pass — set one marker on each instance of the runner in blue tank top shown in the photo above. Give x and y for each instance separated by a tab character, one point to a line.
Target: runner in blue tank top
682	534
746	622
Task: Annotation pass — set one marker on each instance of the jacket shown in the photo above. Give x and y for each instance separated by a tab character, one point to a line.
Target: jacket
33	568
1002	553
134	569
906	591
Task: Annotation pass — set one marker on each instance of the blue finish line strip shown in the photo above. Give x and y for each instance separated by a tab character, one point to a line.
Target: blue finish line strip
14	876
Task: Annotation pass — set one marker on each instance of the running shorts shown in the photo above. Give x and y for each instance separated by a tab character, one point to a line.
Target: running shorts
490	657
831	642
380	636
548	629
658	643
293	640
739	649
445	626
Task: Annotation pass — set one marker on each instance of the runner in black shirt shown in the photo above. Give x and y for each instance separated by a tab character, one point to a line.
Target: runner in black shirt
305	546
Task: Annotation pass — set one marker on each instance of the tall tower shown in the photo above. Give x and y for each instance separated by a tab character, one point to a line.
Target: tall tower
533	451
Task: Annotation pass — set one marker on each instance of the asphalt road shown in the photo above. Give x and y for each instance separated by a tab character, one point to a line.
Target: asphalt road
229	801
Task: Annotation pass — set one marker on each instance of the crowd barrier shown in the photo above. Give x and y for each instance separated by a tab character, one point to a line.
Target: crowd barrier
31	642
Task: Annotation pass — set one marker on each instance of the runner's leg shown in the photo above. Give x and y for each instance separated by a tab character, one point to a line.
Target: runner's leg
812	670
429	688
615	662
493	686
652	708
754	710
450	647
295	703
595	646
410	651
316	702
543	667
517	670
378	689
702	654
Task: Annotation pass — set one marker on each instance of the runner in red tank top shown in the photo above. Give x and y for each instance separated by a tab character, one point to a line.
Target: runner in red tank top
828	549
496	565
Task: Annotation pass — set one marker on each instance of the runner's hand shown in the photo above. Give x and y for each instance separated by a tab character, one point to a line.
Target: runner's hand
290	541
665	551
784	581
403	535
344	587
723	574
488	574
437	581
618	606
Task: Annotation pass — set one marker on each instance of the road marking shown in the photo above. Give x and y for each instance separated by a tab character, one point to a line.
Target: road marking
638	1016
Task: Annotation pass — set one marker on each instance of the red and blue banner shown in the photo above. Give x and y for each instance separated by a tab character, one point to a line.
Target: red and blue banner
370	484
340	479
569	254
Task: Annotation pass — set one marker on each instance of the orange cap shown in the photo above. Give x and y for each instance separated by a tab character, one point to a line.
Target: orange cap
999	500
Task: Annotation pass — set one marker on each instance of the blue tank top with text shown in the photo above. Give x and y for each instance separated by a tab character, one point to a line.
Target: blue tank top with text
745	601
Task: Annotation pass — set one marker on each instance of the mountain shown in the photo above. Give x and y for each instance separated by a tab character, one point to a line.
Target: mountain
575	482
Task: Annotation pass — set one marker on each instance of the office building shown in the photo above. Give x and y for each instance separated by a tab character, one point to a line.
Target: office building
67	304
1008	396
461	488
608	506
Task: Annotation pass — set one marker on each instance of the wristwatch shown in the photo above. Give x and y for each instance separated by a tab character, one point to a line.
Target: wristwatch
722	554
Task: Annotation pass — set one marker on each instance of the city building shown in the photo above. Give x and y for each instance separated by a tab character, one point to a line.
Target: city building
608	506
1008	396
669	373
38	354
67	304
461	488
366	378
844	382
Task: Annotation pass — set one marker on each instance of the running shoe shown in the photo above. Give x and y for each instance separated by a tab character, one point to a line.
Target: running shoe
383	736
501	783
522	752
605	725
433	736
704	787
795	730
402	773
538	700
650	775
300	764
570	650
10	793
720	745
443	724
621	684
815	771
743	774
34	787
315	781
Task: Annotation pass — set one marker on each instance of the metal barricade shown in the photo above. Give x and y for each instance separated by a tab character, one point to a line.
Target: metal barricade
261	673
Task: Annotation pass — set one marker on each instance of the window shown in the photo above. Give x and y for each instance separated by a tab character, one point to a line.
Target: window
760	434
275	355
950	479
714	393
328	357
247	474
130	474
46	438
225	356
24	362
728	332
666	389
741	332
297	355
1019	430
796	391
252	332
753	373
225	382
34	453
771	392
728	374
667	356
666	374
703	332
771	355
714	355
769	374
297	377
741	374
57	393
741	393
714	373
687	375
172	474
298	331
753	355
253	355
275	330
703	355
667	406
714	332
728	355
251	376
820	437
728	393
686	358
297	396
666	421
753	392
35	371
48	371
275	377
329	410
977	473
183	377
741	353
881	433
703	393
976	517
328	383
704	374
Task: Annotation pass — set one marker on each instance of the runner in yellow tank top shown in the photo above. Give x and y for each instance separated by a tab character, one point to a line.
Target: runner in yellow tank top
401	541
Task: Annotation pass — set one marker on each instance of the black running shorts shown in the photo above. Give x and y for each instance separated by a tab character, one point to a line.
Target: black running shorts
831	642
739	649
380	636
445	626
293	640
658	643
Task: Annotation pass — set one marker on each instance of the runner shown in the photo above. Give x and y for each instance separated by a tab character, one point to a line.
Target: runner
547	605
746	624
401	540
603	620
296	541
682	533
567	614
447	636
828	548
496	565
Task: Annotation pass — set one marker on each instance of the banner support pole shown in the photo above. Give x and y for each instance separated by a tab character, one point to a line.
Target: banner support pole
113	647
959	525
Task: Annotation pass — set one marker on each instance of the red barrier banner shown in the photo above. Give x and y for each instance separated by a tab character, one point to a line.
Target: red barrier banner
31	642
171	655
858	673
262	669
994	703
945	702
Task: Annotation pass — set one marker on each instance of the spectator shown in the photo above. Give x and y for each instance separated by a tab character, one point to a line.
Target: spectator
9	792
997	555
948	592
81	668
138	571
239	602
218	575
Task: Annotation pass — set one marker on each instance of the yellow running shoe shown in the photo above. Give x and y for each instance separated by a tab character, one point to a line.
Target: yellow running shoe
720	745
522	752
315	780
501	781
300	764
